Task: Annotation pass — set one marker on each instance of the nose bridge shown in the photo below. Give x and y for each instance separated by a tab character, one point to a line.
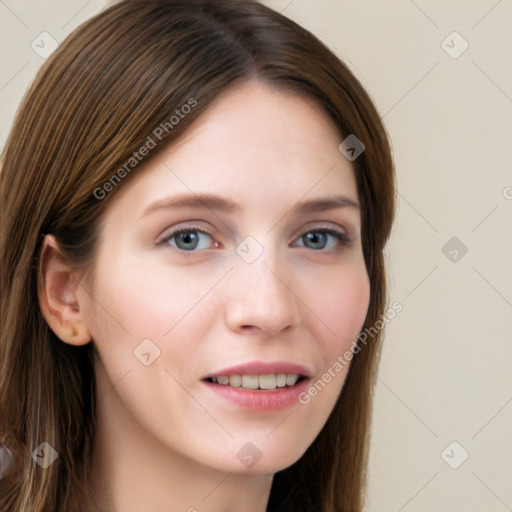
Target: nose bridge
260	295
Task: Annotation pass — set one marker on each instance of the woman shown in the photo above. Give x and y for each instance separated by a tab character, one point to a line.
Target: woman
195	198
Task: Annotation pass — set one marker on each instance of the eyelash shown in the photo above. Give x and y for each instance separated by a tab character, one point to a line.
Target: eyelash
342	238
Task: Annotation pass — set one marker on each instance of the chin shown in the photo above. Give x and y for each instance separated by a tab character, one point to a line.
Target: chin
264	457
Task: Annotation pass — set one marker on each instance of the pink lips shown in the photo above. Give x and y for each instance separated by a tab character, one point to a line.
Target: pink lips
261	400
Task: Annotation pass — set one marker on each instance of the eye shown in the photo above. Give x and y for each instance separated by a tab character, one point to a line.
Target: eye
186	239
318	237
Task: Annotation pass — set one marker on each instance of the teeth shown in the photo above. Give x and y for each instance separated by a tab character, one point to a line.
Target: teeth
267	382
281	380
250	382
291	379
235	381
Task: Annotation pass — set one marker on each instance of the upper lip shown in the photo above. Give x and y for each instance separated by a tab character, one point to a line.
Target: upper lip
262	368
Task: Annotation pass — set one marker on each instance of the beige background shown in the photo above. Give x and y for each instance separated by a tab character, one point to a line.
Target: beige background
445	375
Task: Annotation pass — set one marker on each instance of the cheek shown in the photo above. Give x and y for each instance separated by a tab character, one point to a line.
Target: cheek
344	307
137	299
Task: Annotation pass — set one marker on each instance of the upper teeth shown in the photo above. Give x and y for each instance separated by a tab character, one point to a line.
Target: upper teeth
257	381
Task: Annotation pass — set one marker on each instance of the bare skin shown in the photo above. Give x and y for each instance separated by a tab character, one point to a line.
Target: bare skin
165	441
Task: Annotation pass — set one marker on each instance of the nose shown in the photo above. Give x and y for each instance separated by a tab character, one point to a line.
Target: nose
261	299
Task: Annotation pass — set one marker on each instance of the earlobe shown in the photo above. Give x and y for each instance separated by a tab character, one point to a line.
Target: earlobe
58	296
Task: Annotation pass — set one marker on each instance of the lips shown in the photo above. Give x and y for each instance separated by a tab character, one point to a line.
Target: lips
260	376
251	386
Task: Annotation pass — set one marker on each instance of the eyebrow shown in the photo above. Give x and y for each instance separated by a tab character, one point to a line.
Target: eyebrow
217	203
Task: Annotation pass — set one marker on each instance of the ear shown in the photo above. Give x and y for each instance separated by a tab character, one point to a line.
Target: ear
58	295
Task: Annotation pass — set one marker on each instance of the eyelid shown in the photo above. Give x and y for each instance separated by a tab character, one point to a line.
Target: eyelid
344	238
328	226
185	227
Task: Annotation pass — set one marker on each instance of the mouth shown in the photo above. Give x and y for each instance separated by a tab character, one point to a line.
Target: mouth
260	386
262	382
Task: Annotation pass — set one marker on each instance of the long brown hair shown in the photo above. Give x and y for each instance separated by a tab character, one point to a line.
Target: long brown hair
93	105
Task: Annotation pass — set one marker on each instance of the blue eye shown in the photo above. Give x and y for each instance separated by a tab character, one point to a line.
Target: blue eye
319	236
187	240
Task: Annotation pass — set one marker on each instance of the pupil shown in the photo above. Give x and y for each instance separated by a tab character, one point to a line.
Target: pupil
187	238
313	236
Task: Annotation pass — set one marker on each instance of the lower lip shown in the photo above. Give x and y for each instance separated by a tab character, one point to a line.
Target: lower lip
260	400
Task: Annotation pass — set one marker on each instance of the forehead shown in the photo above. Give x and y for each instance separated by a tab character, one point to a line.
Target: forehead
255	144
256	119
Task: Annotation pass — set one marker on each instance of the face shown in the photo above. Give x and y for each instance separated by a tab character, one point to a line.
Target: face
214	277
